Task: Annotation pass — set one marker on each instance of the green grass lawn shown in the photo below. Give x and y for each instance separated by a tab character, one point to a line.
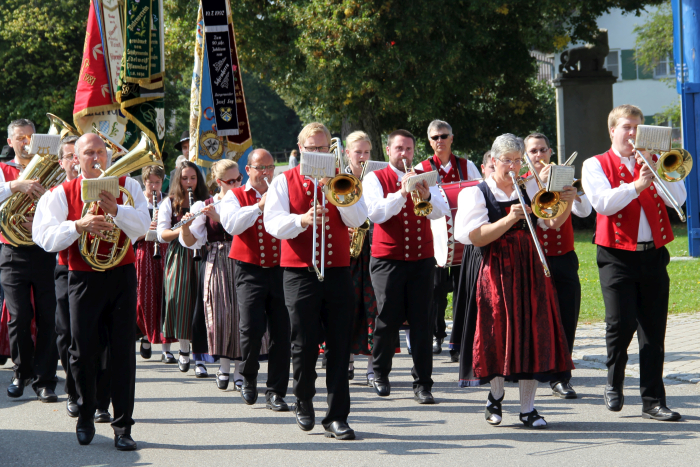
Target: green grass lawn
684	275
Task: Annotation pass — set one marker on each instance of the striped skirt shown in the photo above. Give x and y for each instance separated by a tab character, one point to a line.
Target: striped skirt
179	291
149	291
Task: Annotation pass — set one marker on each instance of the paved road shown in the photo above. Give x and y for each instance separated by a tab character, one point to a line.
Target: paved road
182	420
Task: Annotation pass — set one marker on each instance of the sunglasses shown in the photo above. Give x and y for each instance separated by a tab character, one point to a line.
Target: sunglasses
437	137
232	181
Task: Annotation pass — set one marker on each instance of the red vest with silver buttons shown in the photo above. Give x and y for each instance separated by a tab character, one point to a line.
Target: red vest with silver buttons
621	229
453	175
11	173
296	252
404	237
557	242
255	245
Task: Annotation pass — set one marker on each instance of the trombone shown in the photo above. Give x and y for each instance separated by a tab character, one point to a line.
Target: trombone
545	204
529	221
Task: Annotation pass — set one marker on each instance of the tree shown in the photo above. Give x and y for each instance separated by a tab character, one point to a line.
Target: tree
379	65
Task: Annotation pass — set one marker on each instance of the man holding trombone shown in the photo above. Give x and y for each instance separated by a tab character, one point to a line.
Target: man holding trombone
631	231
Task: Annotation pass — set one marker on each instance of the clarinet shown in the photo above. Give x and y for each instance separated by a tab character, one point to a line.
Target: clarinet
156	245
197	256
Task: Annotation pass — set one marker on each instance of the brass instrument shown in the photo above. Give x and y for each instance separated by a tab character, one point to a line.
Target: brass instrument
145	153
516	181
545	204
421	207
344	189
61	127
577	181
117	149
156	244
357	239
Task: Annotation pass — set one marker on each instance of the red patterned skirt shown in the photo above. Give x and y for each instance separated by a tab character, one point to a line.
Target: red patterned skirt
519	334
149	292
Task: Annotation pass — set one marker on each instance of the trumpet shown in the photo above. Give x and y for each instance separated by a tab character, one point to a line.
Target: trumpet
156	245
421	207
545	204
197	256
516	181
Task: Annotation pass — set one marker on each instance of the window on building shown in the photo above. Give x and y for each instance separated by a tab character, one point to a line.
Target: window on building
664	68
612	63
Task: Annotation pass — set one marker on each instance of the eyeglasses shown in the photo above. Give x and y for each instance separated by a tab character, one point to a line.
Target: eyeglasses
317	148
436	137
510	162
232	181
534	151
68	157
260	168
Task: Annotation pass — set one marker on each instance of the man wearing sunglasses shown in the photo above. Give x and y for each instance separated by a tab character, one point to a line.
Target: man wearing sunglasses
258	281
450	169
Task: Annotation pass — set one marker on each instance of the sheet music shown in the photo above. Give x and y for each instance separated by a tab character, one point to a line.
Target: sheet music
317	164
560	176
653	138
151	236
430	177
374	165
90	188
44	145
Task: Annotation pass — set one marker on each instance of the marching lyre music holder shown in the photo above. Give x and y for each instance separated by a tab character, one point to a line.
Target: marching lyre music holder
44	145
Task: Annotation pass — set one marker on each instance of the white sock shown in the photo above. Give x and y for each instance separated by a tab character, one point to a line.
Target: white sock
408	337
199	369
146	345
185	347
224	367
236	374
528	389
165	347
497	389
370	369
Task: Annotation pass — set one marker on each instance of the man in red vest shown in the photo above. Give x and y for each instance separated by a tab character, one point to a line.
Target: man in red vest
26	272
259	288
450	169
402	266
558	246
107	297
313	303
632	229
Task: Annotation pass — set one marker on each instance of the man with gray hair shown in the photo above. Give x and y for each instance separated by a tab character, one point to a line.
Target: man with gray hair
450	169
26	274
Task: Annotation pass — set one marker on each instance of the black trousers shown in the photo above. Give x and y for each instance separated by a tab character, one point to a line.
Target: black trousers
200	344
564	271
109	298
63	340
635	288
315	306
403	293
260	297
443	284
26	273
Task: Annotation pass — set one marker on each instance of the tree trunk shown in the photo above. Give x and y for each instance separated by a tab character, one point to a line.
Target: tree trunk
369	124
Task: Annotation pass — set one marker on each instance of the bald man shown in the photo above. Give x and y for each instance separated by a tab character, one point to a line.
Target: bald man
258	284
107	297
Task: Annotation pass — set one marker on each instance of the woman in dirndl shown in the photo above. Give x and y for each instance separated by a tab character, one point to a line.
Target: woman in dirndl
149	272
181	274
218	284
517	332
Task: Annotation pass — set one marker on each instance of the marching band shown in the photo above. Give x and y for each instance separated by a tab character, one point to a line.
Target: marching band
335	251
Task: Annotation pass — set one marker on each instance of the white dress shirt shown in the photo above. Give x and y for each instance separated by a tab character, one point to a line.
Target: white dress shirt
53	232
165	212
608	200
472	172
237	219
472	212
5	191
281	224
382	209
198	227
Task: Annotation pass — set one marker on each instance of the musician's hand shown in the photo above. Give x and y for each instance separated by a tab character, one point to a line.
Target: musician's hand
568	195
93	224
261	203
307	219
517	213
423	189
153	226
646	178
32	188
108	203
404	191
28	225
647	155
544	173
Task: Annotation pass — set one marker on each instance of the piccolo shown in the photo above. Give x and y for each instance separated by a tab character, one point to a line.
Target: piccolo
193	217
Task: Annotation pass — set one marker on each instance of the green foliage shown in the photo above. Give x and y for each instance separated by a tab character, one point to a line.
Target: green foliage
655	39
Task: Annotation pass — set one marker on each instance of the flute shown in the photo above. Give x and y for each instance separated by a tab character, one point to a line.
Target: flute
156	245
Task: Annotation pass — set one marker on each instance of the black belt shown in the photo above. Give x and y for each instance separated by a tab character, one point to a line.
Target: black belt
643	246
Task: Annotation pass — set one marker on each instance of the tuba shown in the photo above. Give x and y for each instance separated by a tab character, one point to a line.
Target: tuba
117	149
145	153
60	127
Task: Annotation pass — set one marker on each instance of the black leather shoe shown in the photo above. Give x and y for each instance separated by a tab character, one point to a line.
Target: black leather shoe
340	430
222	383
85	434
494	411
424	397
661	413
351	374
437	346
249	391
276	403
72	407
102	416
454	356
167	358
16	387
383	389
3	360
408	347
200	371
370	380
124	443
46	395
184	367
306	417
238	385
564	390
145	353
614	398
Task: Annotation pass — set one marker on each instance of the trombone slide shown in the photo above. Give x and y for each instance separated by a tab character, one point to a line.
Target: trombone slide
529	224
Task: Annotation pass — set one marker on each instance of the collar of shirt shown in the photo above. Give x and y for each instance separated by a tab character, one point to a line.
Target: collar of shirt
629	162
445	167
249	187
398	172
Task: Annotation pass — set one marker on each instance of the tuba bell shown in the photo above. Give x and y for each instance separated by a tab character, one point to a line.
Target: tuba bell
61	127
117	149
344	189
145	153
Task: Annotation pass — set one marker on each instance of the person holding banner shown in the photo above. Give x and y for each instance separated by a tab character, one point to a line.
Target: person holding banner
402	264
314	304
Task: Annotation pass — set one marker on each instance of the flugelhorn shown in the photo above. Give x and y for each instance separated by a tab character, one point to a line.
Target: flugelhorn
545	204
421	207
516	181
